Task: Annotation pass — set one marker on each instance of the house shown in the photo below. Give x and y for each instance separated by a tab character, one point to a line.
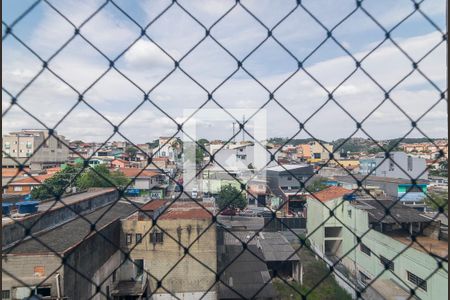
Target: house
320	151
24	186
156	250
120	163
397	165
285	181
35	148
395	188
141	179
377	248
166	148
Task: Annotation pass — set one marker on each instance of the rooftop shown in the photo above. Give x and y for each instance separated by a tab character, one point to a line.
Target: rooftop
35	180
275	247
350	179
331	193
399	213
136	172
281	168
68	235
425	244
245	273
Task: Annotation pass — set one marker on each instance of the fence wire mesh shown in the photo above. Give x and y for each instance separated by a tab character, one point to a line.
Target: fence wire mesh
145	95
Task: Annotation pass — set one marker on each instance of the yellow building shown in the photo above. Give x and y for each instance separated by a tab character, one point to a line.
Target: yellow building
180	251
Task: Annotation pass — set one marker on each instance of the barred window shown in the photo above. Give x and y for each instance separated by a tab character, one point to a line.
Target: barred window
384	261
6	294
365	249
417	281
156	237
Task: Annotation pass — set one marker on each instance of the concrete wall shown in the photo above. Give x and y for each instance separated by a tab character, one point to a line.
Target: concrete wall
92	264
189	276
23	268
420	263
15	231
104	275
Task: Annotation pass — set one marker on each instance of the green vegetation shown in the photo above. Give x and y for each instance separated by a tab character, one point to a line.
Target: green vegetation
314	271
440	199
230	197
74	176
57	184
317	185
131	151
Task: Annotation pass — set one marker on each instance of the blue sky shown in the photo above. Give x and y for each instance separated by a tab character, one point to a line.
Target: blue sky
110	31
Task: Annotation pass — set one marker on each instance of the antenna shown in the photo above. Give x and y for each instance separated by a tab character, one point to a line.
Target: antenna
243	132
233	130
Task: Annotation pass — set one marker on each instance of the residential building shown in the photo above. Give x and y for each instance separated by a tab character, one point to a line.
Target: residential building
34	148
286	181
384	243
394	188
158	250
24	186
166	148
397	165
320	151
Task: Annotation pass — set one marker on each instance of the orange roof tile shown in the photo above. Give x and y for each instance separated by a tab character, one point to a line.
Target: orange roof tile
11	172
35	180
330	193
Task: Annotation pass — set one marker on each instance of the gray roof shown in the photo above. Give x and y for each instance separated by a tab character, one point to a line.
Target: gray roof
71	233
245	273
399	213
275	247
241	222
283	168
237	237
367	179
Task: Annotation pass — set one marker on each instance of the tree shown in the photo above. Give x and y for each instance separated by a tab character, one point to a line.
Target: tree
57	184
440	199
100	176
131	151
230	197
317	185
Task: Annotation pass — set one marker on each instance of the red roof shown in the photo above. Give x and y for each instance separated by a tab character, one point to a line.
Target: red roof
153	205
32	180
331	193
11	172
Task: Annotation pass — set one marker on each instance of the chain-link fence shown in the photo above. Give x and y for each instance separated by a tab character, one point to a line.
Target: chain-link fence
122	247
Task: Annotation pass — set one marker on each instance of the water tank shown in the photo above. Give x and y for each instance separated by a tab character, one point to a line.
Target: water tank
27	207
6	208
349	197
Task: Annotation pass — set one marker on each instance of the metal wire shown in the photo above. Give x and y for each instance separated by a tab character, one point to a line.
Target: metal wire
147	95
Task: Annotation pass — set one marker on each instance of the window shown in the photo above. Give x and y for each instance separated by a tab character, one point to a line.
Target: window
289	178
6	294
29	145
384	261
129	238
391	165
7	146
114	276
417	281
364	249
156	237
349	213
138	238
363	278
410	163
43	291
139	267
17	189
